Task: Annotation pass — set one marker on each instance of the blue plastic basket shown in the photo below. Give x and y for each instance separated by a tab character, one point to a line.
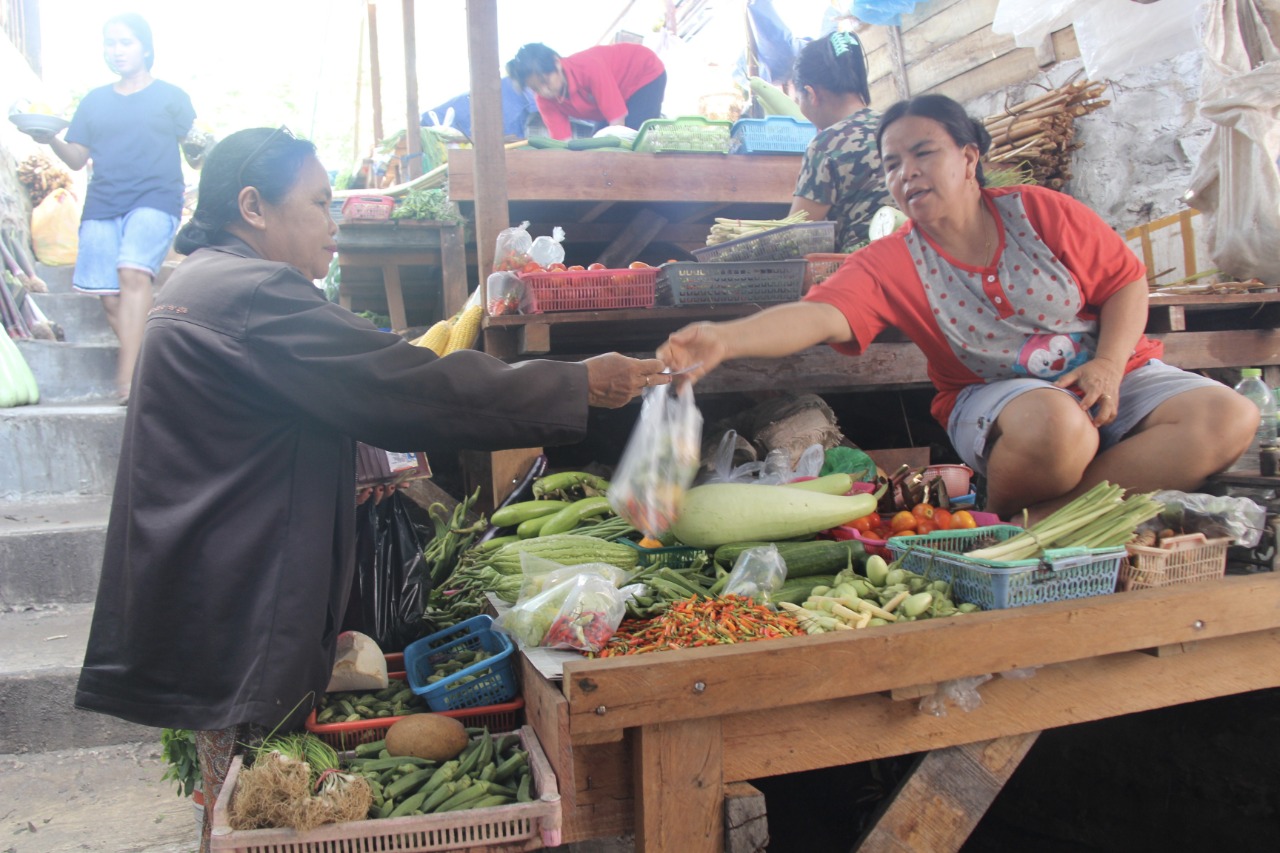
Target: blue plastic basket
491	681
771	135
1060	574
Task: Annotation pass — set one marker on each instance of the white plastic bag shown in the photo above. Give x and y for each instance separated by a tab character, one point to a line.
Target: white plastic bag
580	612
660	460
511	251
548	250
757	574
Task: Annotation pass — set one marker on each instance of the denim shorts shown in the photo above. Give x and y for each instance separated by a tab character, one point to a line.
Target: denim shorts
1141	391
139	240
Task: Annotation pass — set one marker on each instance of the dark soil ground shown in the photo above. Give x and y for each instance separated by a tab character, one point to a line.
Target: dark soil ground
1203	776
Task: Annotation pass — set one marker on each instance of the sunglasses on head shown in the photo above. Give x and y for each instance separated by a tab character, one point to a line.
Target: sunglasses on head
257	152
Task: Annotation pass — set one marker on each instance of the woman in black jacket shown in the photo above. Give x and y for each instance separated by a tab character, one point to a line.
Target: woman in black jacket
230	546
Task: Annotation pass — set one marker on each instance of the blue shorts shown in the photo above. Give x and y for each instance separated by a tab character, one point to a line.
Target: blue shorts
1141	391
139	240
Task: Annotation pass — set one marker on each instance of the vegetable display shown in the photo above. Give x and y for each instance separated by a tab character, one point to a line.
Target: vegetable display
694	622
395	700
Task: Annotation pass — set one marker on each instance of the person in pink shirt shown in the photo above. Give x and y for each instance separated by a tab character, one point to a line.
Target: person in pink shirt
612	84
1030	310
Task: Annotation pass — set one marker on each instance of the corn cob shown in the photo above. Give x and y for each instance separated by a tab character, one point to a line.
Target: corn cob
464	332
436	338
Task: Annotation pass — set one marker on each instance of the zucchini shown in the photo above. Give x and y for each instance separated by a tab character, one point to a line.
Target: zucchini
574	514
803	559
594	142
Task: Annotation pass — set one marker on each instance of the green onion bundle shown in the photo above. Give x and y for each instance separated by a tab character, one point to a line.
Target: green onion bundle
303	747
1100	518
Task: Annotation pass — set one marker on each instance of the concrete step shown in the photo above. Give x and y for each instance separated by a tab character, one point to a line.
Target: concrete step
51	450
51	552
57	278
81	317
41	651
68	372
105	799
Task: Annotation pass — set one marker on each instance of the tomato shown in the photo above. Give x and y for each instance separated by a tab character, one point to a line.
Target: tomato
596	266
882	533
867	523
637	265
942	519
903	522
963	520
532	266
926	525
922	511
577	268
557	267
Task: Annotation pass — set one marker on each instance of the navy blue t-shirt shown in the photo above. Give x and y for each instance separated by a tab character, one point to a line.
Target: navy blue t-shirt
133	140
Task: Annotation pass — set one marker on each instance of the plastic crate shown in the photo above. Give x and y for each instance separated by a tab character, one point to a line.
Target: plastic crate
518	826
589	290
776	244
493	680
1179	559
687	283
343	736
686	134
822	265
672	557
368	208
771	135
994	585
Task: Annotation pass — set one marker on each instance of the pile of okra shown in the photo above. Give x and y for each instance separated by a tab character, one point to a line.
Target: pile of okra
490	771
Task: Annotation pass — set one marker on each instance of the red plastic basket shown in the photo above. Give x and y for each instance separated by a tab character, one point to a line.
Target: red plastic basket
590	290
344	736
368	208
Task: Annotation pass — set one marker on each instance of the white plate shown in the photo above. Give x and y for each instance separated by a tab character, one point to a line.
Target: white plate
38	122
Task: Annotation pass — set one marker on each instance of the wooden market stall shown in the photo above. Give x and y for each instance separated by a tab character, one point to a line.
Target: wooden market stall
661	745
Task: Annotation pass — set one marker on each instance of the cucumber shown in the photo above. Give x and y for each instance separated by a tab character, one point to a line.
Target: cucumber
512	515
796	590
803	559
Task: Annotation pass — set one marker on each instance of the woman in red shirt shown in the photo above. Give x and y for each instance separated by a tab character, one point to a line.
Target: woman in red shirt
612	84
1030	310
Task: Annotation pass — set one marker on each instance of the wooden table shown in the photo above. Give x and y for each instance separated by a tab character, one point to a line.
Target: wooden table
433	251
653	744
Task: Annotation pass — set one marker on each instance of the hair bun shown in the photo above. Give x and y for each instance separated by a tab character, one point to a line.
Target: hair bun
190	237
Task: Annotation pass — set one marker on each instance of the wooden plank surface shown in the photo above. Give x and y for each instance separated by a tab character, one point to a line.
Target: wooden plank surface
622	693
941	801
770	742
602	175
683	756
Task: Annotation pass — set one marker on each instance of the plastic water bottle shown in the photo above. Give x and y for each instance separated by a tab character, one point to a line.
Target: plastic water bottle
1252	386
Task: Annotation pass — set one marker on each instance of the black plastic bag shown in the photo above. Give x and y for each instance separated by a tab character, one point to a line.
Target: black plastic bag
392	582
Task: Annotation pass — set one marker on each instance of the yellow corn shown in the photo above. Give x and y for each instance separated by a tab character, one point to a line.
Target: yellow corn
436	338
464	332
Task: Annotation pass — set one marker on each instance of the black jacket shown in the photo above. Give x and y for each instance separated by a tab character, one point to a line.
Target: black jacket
230	547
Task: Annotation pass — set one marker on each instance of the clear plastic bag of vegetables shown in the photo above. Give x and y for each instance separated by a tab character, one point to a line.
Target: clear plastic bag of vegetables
539	573
580	612
757	574
660	460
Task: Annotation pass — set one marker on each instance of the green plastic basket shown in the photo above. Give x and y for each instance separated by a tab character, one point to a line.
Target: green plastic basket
686	134
1061	574
672	557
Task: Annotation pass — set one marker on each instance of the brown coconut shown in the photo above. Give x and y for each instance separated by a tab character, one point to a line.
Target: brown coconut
431	736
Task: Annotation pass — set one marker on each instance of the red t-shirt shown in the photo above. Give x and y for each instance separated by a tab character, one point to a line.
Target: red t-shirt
1032	313
600	81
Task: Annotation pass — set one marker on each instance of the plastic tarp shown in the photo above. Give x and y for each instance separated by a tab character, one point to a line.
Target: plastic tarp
775	46
1115	36
1236	181
517	106
886	13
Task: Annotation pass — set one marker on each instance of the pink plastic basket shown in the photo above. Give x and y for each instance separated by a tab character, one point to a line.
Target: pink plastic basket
368	208
955	477
519	826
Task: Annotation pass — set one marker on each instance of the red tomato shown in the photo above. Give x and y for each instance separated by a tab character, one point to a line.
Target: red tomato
557	267
942	519
532	266
638	265
926	525
596	266
577	268
882	533
903	522
867	523
922	511
962	520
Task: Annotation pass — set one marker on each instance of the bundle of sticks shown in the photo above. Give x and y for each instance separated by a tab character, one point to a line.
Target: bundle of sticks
1040	132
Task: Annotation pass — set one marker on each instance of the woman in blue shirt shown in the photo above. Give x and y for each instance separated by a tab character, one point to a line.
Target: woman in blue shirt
131	130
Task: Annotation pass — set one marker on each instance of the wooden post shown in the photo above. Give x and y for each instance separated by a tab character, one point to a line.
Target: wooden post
486	130
413	116
897	55
679	779
375	73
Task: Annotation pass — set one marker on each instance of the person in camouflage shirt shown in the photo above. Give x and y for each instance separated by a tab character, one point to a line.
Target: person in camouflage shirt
840	178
